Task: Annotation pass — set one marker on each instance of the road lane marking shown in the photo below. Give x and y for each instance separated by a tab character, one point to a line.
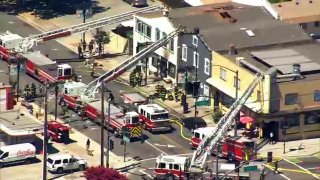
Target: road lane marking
314	175
143	172
270	167
156	148
284	176
181	129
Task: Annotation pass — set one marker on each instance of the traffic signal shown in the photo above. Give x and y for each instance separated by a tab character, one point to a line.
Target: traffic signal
111	144
269	159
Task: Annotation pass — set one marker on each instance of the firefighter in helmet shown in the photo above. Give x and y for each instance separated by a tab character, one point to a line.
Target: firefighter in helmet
27	91
170	96
140	78
33	90
176	93
163	93
132	79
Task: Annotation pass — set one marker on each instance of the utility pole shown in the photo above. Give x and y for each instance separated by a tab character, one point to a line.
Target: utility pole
195	94
146	78
108	133
217	162
18	78
236	119
84	19
45	134
56	102
102	125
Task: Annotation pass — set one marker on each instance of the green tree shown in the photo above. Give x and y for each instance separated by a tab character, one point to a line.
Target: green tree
102	38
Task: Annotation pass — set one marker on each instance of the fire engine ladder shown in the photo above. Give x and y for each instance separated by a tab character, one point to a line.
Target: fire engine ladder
127	64
28	42
203	151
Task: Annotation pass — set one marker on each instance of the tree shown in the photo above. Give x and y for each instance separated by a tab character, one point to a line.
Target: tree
102	173
102	38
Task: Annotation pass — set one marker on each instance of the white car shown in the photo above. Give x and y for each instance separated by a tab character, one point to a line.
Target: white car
65	162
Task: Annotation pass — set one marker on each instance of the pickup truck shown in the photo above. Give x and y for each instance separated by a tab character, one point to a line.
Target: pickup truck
65	162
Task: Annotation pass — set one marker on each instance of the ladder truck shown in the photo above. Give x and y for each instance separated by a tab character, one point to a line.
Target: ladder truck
198	165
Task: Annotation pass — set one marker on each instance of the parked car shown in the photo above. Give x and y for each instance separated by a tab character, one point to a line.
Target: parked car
137	2
18	152
65	162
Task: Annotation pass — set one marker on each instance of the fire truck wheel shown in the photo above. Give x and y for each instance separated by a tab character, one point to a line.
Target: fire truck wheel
50	138
230	157
60	170
81	167
62	103
169	176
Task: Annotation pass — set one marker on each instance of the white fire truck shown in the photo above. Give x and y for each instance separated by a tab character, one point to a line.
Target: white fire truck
154	117
171	167
199	134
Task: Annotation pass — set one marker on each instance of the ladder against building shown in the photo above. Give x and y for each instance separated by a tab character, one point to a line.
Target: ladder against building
129	63
28	42
199	158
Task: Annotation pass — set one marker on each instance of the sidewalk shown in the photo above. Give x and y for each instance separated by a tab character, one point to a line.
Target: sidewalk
306	147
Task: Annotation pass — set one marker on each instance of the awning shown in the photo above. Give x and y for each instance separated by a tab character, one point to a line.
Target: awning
246	119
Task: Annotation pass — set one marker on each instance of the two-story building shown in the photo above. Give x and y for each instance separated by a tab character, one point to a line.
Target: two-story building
209	28
286	101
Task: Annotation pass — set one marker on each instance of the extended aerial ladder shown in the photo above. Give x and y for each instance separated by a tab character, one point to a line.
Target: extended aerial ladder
28	42
129	63
200	156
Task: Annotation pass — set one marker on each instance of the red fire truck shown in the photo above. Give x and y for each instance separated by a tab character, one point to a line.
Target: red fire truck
118	119
171	167
58	132
44	69
154	117
238	148
199	134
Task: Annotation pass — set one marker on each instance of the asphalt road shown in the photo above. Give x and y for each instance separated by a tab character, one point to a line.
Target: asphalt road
154	145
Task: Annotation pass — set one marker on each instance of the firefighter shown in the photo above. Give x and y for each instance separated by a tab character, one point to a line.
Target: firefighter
90	46
132	79
176	93
163	93
27	91
92	71
140	78
88	144
80	53
40	89
170	96
33	90
276	167
84	45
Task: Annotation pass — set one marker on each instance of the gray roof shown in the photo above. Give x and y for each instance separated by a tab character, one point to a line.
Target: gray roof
218	32
38	58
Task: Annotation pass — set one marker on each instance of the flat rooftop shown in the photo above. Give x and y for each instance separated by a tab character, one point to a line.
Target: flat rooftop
298	11
38	58
283	58
244	26
19	123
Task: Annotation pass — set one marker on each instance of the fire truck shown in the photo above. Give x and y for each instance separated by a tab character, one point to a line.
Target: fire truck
199	134
154	117
119	120
58	132
238	148
37	65
171	167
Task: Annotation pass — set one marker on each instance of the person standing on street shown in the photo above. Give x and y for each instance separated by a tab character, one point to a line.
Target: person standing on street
80	51
271	138
84	45
262	175
91	47
88	145
276	168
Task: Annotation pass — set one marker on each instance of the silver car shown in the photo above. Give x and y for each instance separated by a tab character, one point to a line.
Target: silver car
137	2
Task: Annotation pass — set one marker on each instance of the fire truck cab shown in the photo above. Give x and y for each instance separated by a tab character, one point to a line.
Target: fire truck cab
71	96
171	167
154	117
8	41
58	132
199	134
238	148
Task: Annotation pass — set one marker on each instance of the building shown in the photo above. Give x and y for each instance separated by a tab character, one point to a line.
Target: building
306	13
6	97
18	127
209	28
287	100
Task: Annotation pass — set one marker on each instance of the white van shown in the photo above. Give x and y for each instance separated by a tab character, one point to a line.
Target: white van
18	152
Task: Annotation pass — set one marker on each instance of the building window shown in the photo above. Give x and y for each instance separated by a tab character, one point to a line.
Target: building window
312	118
223	74
207	66
140	26
163	36
195	40
292	120
154	62
172	70
206	90
184	52
235	81
171	45
148	31
226	100
316	95
195	59
291	99
158	36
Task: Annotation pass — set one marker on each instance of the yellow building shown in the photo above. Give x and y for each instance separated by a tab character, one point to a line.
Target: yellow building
286	101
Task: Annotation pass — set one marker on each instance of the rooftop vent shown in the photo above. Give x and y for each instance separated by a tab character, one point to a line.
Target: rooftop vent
250	33
310	1
196	30
297	2
225	15
296	69
232	49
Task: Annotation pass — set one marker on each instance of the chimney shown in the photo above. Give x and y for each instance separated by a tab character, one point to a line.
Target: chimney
232	50
297	2
165	12
310	1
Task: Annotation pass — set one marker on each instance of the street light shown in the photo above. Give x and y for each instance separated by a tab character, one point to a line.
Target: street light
236	119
